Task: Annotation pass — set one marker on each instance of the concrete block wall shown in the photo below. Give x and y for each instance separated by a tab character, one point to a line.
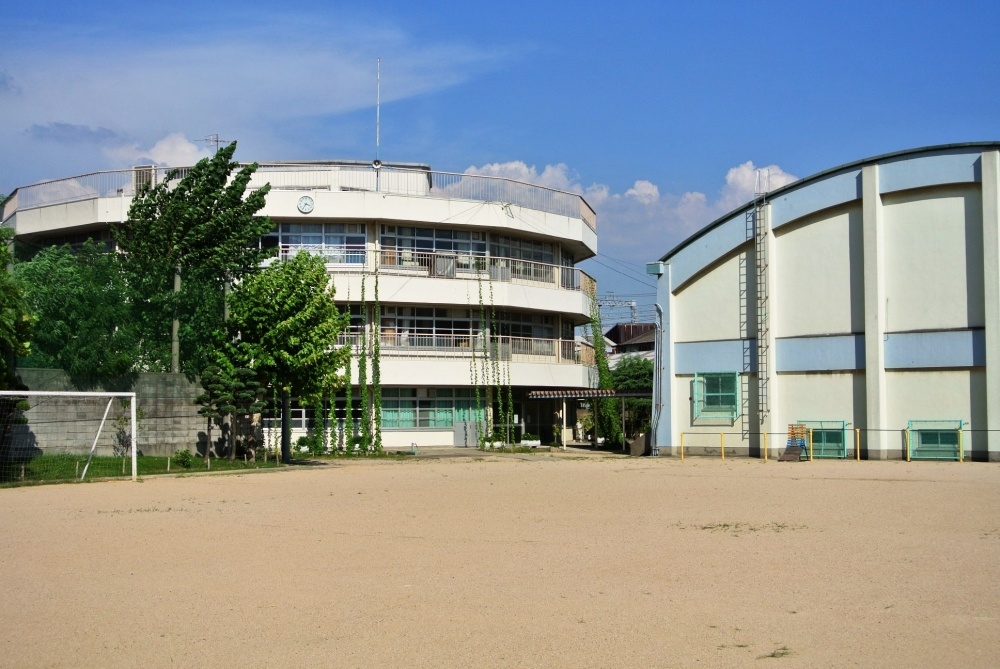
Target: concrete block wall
169	418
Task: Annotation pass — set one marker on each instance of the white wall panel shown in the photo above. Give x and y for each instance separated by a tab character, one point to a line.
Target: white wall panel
708	308
820	274
933	259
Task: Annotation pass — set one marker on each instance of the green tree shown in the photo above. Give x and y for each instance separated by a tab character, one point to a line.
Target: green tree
230	392
84	324
16	326
635	373
201	226
608	421
287	324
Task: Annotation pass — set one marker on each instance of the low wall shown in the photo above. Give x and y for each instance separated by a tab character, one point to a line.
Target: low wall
168	417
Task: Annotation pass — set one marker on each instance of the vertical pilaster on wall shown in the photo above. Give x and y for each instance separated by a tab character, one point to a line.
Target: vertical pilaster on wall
991	292
770	419
876	436
666	435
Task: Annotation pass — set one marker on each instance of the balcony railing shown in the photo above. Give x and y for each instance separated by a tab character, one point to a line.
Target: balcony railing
328	176
358	260
469	346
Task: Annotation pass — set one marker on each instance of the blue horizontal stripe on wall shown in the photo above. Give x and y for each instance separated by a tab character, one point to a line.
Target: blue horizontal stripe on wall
820	354
711	356
929	170
829	192
951	348
703	252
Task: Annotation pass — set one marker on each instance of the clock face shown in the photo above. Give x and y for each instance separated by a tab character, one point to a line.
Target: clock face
305	204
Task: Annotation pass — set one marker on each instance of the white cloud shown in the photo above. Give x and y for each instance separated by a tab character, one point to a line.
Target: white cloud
645	192
642	223
264	84
174	150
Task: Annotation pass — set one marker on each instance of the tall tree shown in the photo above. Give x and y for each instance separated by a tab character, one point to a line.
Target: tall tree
287	326
84	321
635	373
16	325
16	322
202	227
606	416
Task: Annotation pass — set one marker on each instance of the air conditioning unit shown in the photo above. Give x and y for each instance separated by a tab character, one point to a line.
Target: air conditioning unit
444	266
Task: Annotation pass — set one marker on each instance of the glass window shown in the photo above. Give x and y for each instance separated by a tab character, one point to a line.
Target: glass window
717	395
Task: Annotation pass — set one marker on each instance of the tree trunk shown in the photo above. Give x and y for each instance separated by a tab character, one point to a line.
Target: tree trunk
175	328
286	426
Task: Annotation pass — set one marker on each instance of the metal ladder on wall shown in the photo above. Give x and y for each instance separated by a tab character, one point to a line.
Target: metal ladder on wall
761	261
746	328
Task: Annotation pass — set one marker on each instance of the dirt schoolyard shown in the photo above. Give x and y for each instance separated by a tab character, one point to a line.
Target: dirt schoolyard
510	561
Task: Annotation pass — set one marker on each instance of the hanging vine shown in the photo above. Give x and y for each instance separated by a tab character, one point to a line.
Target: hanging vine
495	340
366	428
348	432
481	381
377	367
606	418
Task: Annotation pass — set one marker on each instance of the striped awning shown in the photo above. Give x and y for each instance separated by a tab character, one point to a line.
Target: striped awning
585	393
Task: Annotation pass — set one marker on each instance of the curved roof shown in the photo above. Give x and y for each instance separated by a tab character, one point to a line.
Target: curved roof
819	176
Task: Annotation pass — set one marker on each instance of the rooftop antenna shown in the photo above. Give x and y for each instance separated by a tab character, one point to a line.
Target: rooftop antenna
213	140
378	109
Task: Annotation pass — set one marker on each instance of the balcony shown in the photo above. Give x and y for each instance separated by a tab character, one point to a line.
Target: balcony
359	260
470	346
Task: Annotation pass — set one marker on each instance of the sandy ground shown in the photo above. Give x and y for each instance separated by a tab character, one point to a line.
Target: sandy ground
510	561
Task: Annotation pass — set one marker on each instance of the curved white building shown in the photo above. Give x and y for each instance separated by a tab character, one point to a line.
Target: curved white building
450	251
862	302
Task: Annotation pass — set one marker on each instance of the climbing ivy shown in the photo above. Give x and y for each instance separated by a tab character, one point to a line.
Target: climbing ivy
607	420
377	368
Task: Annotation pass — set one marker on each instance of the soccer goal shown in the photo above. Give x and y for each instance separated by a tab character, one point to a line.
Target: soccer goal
52	436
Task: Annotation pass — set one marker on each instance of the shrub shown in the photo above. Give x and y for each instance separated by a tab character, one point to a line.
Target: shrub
184	458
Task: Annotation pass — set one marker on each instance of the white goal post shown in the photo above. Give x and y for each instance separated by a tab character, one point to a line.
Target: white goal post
65	422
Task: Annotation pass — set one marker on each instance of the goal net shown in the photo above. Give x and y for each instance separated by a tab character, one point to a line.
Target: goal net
52	436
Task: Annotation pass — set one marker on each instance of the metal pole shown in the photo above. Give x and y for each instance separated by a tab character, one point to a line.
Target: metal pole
765	446
810	444
135	440
961	450
907	444
722	445
857	444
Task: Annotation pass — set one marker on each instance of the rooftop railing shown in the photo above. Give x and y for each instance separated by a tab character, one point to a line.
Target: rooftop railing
318	176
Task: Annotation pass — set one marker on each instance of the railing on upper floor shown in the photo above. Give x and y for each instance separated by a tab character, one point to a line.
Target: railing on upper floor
357	260
329	176
469	346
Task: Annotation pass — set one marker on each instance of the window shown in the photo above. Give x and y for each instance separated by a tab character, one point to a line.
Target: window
717	395
935	439
336	242
829	437
429	408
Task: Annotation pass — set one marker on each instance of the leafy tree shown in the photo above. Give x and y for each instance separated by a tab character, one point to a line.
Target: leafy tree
230	391
16	325
635	373
607	419
202	226
287	325
217	400
84	323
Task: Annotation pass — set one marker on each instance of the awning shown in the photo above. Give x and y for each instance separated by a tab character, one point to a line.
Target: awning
585	393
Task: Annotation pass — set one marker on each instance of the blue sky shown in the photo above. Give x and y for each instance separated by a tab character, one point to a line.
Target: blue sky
658	112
